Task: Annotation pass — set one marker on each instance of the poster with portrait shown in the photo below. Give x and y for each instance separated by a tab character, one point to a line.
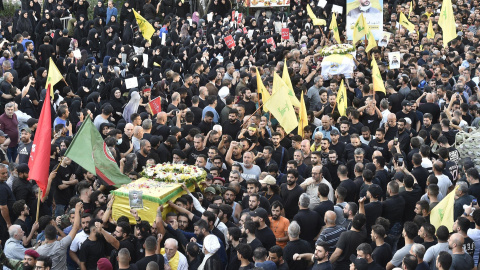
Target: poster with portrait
135	199
372	11
394	60
383	42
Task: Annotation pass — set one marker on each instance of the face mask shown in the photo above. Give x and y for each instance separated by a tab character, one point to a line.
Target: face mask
119	142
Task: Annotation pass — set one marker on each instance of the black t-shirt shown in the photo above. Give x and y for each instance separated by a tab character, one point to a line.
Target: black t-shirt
431	108
309	221
373	210
255	244
392	209
267	237
91	252
351	189
382	254
62	196
24	152
371	121
411	198
322	208
381	147
63	44
348	243
194	153
290	197
421	174
469	245
249	106
231	129
322	266
142	264
411	115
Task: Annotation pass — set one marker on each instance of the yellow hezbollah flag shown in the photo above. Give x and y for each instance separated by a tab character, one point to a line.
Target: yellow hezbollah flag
145	27
442	214
314	18
303	119
53	77
262	90
360	29
377	78
371	41
447	22
280	106
406	23
342	100
334	27
430	33
286	79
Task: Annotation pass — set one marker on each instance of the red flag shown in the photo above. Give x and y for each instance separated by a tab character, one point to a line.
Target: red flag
233	15
229	41
155	105
245	30
39	161
285	33
271	41
239	18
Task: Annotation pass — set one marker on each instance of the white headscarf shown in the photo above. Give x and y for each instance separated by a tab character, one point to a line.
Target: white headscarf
210	244
131	107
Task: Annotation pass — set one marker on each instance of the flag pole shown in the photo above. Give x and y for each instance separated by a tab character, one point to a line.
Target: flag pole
253	114
38	203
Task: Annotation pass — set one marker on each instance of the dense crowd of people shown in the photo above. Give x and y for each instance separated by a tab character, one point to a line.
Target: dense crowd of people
354	191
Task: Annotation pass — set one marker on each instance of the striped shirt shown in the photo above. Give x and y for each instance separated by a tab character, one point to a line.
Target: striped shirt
330	235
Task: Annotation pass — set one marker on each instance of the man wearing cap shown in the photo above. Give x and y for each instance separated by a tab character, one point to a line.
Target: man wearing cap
22	188
423	61
30	259
407	112
264	233
272	193
25	146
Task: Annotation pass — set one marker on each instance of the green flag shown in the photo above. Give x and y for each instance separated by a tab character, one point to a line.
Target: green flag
90	152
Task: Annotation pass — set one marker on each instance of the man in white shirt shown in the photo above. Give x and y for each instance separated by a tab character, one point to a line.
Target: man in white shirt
80	238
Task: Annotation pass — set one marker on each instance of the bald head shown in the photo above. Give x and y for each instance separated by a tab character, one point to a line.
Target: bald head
392	116
455	242
305	147
128	129
330	218
161	117
429	98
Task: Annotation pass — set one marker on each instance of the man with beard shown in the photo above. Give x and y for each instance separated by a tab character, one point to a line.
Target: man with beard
344	132
125	144
275	254
319	258
119	239
25	146
201	230
355	143
80	238
332	167
198	148
233	240
280	154
335	143
290	192
232	126
229	197
248	104
98	199
325	145
264	233
379	143
403	136
407	112
93	247
183	221
30	259
22	188
142	155
279	224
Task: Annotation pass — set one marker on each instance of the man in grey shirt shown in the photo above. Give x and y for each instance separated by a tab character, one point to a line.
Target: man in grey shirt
410	230
57	249
313	92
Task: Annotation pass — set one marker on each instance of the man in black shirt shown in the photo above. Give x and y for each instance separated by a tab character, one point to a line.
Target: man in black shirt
63	43
296	245
382	253
118	240
393	209
197	149
92	249
325	204
308	220
232	126
290	192
247	103
150	256
379	143
64	184
142	155
264	233
348	242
